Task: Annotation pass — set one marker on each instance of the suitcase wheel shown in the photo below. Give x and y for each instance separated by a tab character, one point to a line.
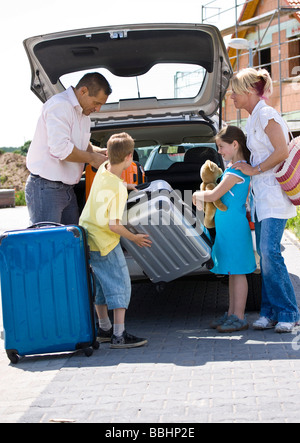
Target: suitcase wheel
13	356
160	287
96	345
210	264
88	352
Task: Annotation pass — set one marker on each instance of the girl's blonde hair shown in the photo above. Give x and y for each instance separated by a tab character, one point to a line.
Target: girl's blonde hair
252	80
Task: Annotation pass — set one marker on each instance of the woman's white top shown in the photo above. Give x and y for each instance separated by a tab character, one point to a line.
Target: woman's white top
269	201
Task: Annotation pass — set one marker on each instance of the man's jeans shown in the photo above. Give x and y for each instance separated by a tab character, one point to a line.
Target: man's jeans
278	295
51	201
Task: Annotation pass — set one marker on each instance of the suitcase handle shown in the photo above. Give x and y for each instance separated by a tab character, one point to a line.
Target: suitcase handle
44	224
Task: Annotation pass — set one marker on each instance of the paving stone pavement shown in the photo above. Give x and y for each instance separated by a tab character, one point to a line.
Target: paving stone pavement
187	373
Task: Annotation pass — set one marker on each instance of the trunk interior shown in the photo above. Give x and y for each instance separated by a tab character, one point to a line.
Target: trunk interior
181	176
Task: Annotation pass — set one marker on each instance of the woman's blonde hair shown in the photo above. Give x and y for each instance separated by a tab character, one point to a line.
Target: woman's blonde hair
250	80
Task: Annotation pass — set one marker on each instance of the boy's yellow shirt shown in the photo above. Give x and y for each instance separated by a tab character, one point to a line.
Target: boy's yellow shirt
106	202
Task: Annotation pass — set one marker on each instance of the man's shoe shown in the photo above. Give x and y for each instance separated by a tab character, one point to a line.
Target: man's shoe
263	323
127	341
282	327
104	336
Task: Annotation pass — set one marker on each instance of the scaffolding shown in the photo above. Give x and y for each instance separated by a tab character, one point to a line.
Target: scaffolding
239	19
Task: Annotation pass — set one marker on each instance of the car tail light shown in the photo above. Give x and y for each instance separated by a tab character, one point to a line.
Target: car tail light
251	223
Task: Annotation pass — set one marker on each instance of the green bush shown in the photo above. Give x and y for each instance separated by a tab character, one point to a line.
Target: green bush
20	198
3	179
294	224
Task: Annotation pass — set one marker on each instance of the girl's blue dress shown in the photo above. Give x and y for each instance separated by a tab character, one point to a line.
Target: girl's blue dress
233	248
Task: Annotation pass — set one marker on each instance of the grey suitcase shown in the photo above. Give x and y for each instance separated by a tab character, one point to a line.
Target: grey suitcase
180	244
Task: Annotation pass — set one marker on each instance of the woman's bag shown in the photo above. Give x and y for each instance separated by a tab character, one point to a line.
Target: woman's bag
287	173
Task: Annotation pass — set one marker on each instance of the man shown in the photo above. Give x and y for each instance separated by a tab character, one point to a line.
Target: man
61	147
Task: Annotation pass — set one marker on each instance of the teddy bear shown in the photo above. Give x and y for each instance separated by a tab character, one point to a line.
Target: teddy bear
210	172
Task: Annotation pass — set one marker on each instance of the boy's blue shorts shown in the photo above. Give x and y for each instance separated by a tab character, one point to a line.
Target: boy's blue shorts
113	285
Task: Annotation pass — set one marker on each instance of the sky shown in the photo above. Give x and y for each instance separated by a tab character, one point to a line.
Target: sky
20	19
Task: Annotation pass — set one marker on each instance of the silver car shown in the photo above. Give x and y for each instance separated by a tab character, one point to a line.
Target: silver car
168	84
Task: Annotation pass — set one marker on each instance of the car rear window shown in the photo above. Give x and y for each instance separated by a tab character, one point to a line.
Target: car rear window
162	157
162	81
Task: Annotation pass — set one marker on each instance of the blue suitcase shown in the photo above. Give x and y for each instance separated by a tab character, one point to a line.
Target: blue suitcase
46	288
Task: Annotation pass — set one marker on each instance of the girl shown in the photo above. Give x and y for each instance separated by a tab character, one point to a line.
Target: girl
233	249
267	138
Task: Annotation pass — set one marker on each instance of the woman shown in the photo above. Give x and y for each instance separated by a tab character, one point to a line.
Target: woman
267	138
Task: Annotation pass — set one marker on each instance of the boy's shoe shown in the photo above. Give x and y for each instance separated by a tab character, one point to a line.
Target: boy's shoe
219	321
127	341
282	327
104	336
263	323
233	324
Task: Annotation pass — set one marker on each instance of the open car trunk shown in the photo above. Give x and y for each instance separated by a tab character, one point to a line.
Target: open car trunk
129	54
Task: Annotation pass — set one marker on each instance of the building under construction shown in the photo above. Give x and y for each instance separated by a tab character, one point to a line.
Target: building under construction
268	33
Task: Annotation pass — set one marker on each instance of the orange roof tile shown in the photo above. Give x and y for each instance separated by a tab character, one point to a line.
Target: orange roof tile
294	4
248	11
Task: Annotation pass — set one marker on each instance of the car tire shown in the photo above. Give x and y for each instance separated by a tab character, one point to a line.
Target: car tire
254	292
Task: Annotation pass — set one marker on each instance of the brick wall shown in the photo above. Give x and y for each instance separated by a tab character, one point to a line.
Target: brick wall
289	68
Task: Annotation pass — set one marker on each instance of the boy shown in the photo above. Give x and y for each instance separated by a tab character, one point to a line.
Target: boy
102	217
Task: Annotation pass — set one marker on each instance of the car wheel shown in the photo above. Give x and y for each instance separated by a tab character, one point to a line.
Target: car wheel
254	292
